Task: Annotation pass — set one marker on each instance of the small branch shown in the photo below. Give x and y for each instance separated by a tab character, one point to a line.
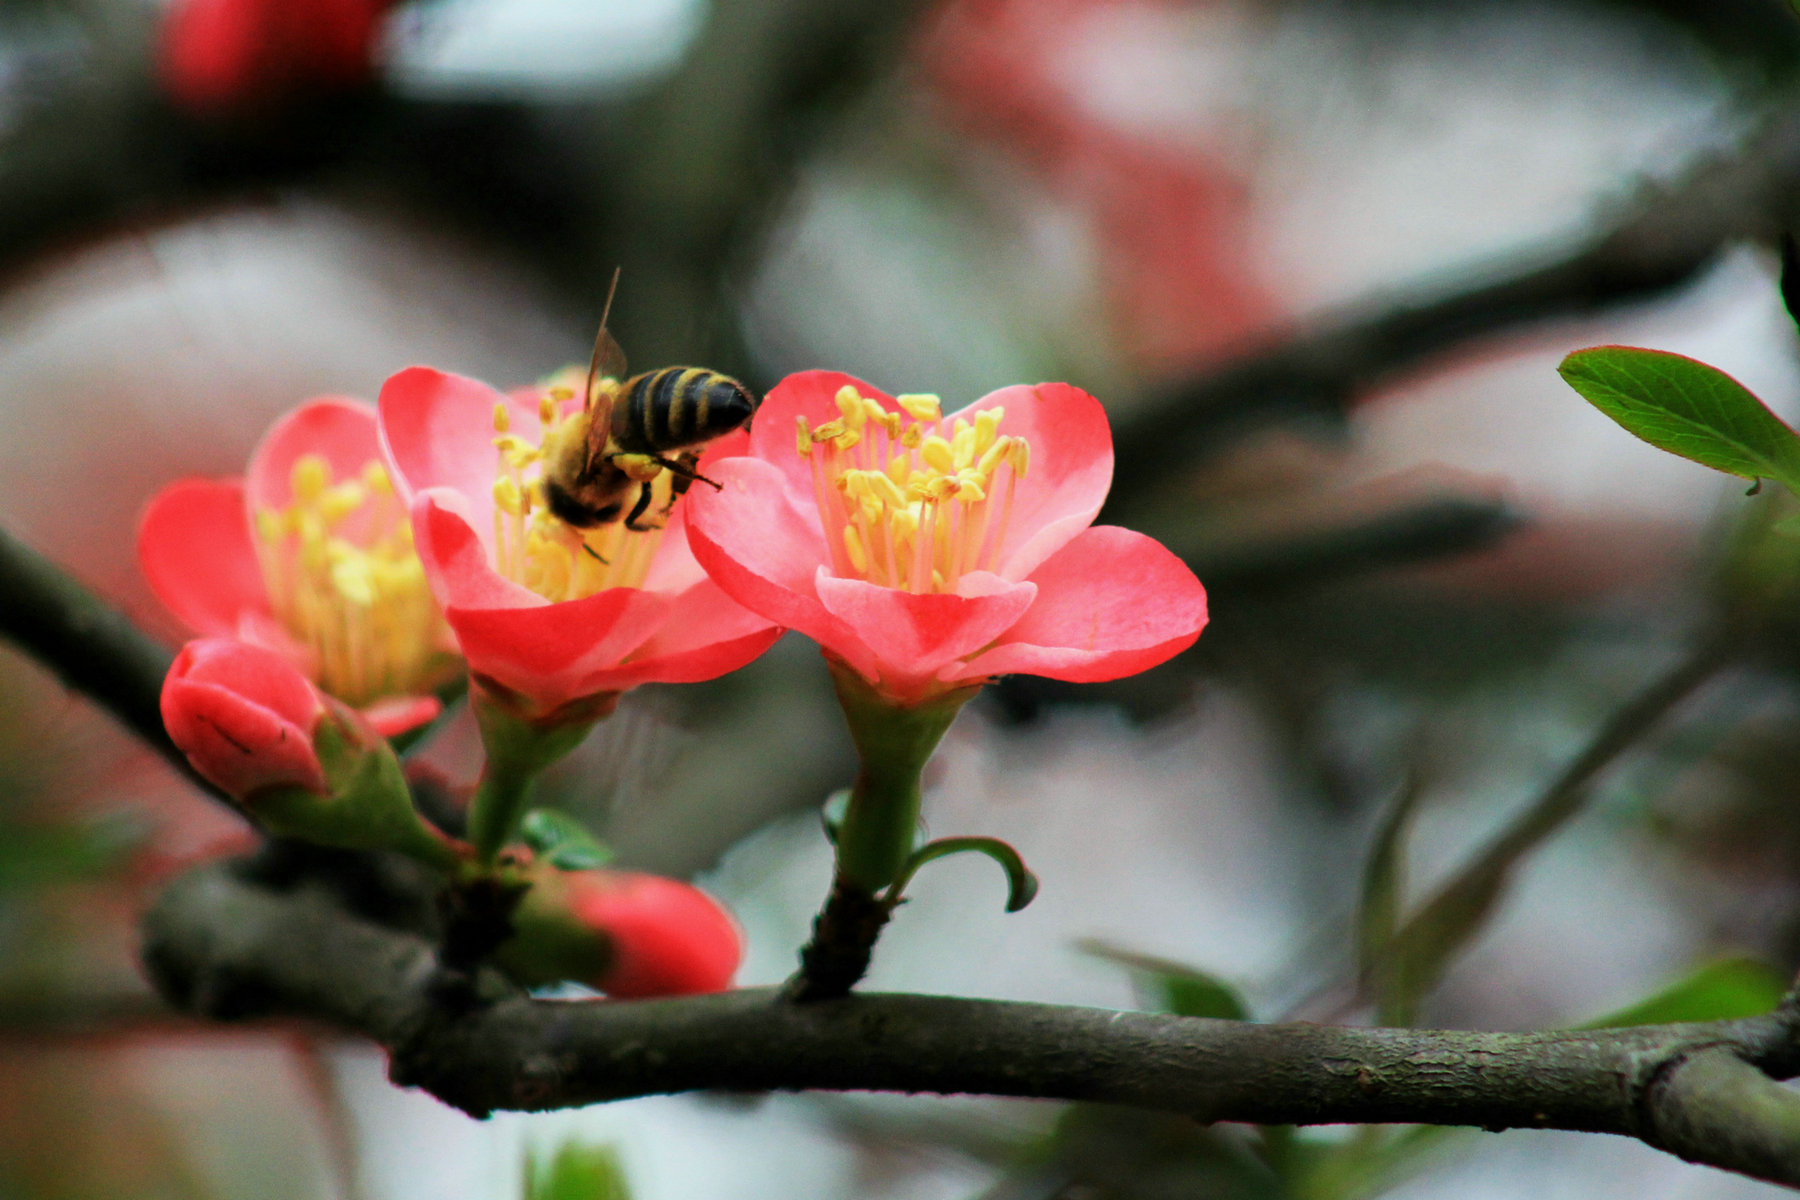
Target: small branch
225	947
843	941
87	643
1661	241
1416	956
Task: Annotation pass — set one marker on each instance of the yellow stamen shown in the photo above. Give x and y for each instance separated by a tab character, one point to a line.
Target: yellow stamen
502	417
921	407
804	438
345	583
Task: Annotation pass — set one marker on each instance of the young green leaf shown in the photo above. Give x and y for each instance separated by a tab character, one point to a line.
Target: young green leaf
1183	990
1718	991
563	840
577	1172
1688	408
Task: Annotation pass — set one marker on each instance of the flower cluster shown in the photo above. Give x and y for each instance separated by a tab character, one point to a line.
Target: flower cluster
369	558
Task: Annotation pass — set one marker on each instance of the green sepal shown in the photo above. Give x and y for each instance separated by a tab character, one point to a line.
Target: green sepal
577	1172
1021	884
369	806
562	840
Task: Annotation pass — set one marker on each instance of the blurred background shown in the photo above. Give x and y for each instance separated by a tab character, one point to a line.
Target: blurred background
1319	258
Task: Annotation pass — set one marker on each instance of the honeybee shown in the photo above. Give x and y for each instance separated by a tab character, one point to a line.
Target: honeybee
630	432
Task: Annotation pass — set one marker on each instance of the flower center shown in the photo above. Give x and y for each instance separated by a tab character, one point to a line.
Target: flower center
345	582
534	547
906	501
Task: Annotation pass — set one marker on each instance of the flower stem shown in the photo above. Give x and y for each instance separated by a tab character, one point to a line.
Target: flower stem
519	747
876	833
875	838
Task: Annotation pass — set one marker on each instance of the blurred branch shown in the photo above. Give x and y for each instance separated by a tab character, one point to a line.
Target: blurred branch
1663	239
1415	957
87	643
222	946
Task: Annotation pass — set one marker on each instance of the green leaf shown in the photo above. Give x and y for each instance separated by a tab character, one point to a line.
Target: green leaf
1378	911
563	840
1021	884
1183	990
1718	991
35	856
577	1172
1687	408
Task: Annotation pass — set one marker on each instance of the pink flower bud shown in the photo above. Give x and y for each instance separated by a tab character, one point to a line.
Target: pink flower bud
628	934
244	716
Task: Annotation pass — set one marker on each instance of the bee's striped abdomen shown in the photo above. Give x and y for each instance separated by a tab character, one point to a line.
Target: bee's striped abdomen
678	407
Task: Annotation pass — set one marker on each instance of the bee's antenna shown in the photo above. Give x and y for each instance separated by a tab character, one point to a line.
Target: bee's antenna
587	392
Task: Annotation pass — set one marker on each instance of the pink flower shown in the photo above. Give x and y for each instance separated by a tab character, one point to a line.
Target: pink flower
244	716
628	934
219	56
545	611
309	555
931	552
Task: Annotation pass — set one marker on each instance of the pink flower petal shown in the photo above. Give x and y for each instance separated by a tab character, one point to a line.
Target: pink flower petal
1110	603
556	653
912	636
437	430
195	551
339	430
809	394
398	714
457	560
243	716
764	549
1071	468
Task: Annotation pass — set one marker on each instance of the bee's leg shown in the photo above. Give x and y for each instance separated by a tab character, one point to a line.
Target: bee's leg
593	553
645	492
683	469
680	482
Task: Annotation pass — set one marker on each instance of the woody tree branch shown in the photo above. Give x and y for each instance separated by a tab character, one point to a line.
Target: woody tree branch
224	946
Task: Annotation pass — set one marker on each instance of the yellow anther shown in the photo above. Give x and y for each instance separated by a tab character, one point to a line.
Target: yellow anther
968	488
847	440
353	582
506	496
921	406
271	526
842	482
561	394
994	456
903	524
851	406
341	500
546	410
803	438
827	431
1020	457
941	487
886	489
375	478
937	455
502	417
962	446
912	436
309	476
873	412
893	422
871	510
897	470
855	484
987	427
859	558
